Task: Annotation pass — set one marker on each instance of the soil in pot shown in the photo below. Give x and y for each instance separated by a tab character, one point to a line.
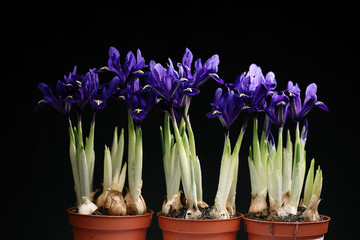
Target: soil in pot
181	213
205	214
102	212
272	216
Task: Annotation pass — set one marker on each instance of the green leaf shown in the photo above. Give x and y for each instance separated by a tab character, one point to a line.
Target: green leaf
287	164
251	154
74	166
131	151
225	178
107	169
318	183
114	144
118	156
256	146
84	175
122	177
184	164
162	141
309	183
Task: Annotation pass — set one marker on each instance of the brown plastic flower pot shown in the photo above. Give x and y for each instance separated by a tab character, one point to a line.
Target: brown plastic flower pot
186	229
286	230
103	227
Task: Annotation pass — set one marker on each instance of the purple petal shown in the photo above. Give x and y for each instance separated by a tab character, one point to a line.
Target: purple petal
256	76
74	71
66	92
218	94
137	85
270	80
138	114
113	52
129	63
321	105
281	98
49	97
140	61
113	85
191	91
310	92
307	107
216	78
212	64
114	62
294	90
158	71
271	115
213	114
198	64
187	60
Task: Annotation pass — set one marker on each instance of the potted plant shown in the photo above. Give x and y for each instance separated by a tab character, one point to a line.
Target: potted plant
279	171
191	216
113	216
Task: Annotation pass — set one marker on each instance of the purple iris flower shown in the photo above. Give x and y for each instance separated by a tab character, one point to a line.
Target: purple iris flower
176	87
164	81
298	110
55	101
277	109
68	92
70	89
202	72
101	93
171	86
78	89
252	87
140	100
131	68
226	107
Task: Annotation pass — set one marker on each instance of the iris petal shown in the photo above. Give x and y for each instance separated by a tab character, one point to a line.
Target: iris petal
213	114
50	98
321	105
191	91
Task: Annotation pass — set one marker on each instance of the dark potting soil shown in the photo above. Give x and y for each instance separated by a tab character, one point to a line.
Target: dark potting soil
275	218
100	211
205	213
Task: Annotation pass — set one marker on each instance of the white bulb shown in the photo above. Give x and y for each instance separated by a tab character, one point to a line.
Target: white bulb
87	207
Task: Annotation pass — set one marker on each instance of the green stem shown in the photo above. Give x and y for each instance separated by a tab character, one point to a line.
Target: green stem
74	164
223	185
186	170
84	175
287	165
170	160
235	157
107	169
195	161
118	156
256	146
298	173
131	152
135	193
79	139
90	153
259	166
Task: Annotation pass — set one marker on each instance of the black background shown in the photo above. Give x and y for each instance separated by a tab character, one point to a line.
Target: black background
43	41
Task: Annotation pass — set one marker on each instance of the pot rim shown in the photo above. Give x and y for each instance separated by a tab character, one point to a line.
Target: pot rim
239	215
149	212
324	217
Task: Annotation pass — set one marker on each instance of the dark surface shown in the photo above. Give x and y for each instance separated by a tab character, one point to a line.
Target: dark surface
43	41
